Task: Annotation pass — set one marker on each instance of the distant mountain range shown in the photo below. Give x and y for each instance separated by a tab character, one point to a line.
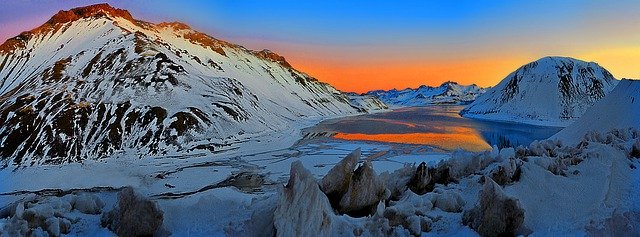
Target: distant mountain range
553	91
93	81
447	93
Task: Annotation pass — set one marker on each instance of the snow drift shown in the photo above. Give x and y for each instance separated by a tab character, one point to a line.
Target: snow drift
618	109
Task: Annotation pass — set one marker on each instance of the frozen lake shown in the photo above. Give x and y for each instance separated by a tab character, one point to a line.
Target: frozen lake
437	126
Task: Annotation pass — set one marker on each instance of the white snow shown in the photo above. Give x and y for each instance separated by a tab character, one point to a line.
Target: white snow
618	109
447	93
552	91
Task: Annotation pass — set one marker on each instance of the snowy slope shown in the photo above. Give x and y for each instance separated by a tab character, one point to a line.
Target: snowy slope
447	93
93	81
618	110
550	91
367	102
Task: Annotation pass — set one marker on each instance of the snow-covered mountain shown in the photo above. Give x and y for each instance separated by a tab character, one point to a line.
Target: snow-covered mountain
92	81
367	101
618	110
550	91
447	93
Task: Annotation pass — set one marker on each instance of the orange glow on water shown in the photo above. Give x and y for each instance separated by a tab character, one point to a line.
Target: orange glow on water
448	141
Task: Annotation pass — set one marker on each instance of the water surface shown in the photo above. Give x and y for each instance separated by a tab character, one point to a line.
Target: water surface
438	126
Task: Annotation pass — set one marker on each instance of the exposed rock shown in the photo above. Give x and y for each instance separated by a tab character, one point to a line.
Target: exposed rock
507	172
336	182
495	214
635	150
365	191
420	180
447	200
303	209
397	181
88	204
246	181
133	215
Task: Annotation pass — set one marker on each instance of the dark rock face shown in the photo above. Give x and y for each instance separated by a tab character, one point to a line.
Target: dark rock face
495	214
425	179
133	215
355	193
507	172
365	191
336	182
421	179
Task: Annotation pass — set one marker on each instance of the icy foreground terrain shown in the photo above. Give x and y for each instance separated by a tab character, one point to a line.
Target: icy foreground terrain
548	188
447	93
92	82
552	91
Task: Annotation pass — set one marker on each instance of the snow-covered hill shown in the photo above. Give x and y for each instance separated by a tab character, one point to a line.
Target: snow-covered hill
93	81
618	110
367	102
550	91
447	93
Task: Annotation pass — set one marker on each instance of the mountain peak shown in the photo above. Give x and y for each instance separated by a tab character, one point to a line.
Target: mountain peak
557	59
176	25
54	23
448	83
89	11
558	91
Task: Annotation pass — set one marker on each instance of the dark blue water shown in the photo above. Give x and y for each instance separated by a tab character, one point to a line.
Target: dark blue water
439	126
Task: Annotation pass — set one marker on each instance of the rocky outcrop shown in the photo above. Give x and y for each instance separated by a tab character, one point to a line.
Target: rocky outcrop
354	192
495	214
420	180
302	208
365	191
133	215
336	182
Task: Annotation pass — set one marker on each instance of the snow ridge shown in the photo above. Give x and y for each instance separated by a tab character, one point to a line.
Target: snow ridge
620	109
447	93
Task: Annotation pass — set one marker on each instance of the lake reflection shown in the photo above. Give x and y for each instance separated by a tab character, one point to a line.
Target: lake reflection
438	126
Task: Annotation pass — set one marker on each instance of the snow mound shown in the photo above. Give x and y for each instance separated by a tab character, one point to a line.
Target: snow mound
46	216
552	91
496	214
133	215
303	209
617	110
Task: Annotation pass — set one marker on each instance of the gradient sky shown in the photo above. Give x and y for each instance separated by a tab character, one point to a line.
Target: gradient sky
365	45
